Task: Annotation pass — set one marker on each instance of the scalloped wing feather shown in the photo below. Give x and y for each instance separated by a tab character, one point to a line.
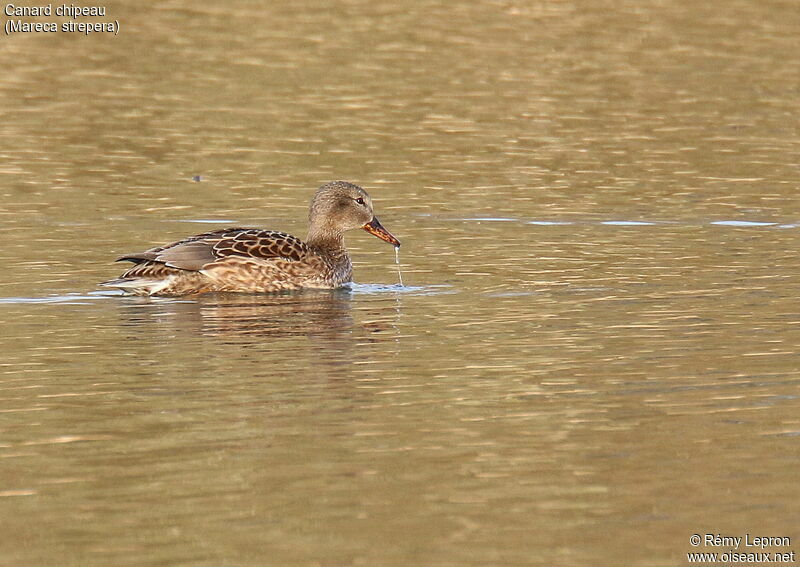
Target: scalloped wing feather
235	259
196	251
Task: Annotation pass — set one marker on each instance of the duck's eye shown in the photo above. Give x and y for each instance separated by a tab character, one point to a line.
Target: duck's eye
360	200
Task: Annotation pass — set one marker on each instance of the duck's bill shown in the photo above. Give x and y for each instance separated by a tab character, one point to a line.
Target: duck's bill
376	229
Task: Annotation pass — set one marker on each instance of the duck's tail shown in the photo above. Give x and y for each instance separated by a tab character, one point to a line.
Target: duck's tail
138	285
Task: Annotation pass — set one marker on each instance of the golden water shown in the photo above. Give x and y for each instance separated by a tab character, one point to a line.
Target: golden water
596	355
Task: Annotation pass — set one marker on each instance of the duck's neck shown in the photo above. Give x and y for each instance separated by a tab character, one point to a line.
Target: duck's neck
327	242
330	247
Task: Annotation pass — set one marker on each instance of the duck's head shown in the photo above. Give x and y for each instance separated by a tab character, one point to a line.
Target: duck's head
339	206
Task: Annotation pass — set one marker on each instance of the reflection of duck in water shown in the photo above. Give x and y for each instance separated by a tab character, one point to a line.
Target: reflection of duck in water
254	260
325	316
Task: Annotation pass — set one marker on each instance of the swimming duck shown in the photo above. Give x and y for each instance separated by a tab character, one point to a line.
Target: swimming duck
258	261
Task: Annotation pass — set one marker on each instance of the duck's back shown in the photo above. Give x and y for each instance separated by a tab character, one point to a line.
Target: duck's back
233	259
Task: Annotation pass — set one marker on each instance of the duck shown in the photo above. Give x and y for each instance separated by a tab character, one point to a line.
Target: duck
253	260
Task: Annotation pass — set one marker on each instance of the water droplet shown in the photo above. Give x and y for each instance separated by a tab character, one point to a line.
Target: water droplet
397	261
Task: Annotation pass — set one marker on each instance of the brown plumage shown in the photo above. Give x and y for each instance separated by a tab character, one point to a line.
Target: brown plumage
258	261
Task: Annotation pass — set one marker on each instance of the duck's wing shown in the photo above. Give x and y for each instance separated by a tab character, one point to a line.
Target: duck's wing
195	252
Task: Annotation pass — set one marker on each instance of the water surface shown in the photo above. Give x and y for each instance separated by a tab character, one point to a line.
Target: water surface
595	351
